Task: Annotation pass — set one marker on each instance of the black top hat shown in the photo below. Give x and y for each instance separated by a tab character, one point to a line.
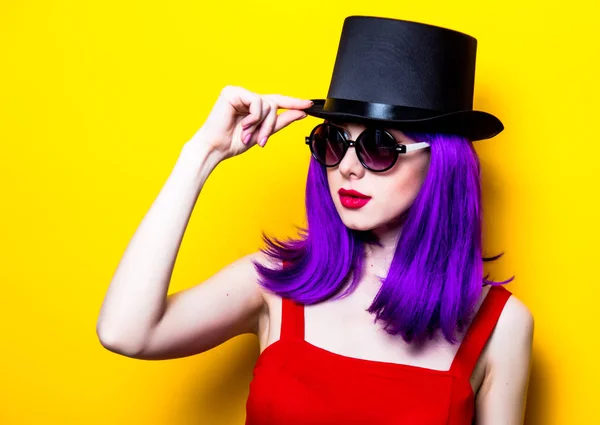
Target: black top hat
408	75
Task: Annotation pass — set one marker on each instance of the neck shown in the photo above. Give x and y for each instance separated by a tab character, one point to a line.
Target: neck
380	257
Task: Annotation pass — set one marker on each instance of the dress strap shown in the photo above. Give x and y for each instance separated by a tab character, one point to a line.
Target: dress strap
292	318
479	331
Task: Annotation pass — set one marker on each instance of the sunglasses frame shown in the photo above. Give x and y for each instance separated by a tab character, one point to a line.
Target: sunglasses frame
347	143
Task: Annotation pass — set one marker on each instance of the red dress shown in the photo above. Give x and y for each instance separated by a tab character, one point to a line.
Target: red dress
297	383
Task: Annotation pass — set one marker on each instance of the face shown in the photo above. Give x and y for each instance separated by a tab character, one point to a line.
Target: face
391	192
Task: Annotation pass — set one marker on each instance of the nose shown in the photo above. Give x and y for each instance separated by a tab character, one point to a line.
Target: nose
350	163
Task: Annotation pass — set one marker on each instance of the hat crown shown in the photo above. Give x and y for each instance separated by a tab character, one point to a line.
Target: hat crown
405	63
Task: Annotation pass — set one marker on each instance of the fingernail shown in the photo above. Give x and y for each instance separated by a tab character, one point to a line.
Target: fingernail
263	141
247	138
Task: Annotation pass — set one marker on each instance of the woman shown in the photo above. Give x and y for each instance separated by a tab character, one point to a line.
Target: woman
379	313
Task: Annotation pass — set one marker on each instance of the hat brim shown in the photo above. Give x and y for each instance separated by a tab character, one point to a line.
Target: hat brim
475	125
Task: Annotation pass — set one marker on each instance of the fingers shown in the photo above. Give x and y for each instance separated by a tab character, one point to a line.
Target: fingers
249	131
286	118
268	124
259	129
289	102
273	123
262	119
277	100
245	99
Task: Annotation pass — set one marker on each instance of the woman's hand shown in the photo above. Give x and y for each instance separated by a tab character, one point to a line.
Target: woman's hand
240	118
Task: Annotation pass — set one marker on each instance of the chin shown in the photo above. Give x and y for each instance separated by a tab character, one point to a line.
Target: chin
363	220
357	222
359	227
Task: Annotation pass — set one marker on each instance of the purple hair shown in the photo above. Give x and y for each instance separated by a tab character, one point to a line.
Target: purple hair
436	275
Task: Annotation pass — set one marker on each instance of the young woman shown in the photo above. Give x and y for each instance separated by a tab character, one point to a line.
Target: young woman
379	313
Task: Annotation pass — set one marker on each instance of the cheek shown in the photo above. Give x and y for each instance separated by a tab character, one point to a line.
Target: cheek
331	180
412	179
334	183
400	190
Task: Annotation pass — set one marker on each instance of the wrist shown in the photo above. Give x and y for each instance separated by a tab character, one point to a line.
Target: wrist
197	154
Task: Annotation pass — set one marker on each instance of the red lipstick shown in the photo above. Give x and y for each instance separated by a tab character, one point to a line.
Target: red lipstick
352	198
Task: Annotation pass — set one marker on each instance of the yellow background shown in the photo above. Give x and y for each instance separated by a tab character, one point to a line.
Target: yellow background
96	102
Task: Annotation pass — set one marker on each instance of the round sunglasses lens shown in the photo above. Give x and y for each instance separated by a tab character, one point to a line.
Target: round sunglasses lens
327	144
377	149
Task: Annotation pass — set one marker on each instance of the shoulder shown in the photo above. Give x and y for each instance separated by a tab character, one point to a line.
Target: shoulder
264	260
269	300
515	317
501	397
513	334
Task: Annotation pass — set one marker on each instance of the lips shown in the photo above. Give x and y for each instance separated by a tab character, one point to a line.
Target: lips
352	193
353	199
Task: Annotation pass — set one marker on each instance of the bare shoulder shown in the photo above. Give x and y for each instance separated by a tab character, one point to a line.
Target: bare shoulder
271	302
515	317
513	333
268	297
501	397
266	261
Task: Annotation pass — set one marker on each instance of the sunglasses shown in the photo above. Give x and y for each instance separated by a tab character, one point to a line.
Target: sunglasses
376	149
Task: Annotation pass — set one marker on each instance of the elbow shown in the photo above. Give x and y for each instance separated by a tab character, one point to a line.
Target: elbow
116	343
